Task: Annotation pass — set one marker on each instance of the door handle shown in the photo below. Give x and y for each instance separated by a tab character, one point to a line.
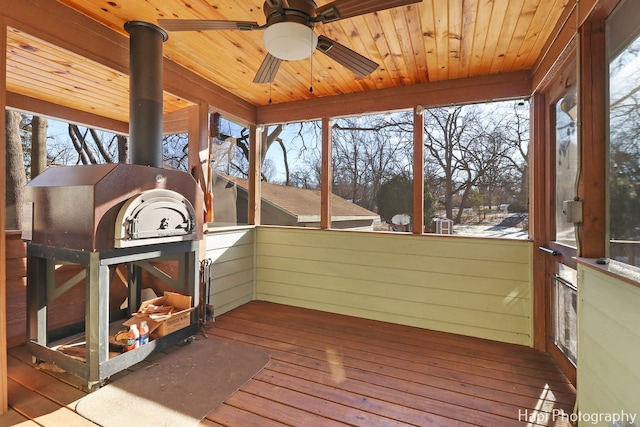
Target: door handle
549	251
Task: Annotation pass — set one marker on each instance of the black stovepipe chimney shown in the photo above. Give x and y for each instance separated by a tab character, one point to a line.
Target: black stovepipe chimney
145	98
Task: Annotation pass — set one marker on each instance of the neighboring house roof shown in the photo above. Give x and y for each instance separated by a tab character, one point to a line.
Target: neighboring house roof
304	203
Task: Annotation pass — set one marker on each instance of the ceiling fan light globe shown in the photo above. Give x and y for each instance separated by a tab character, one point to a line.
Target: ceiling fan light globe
290	41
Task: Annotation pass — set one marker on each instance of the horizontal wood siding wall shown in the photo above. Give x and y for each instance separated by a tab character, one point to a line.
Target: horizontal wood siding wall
470	286
608	345
232	256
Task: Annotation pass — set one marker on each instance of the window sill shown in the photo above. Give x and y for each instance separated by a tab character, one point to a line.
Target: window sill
618	270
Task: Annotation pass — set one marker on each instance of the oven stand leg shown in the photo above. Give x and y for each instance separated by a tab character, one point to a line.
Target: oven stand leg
135	289
97	317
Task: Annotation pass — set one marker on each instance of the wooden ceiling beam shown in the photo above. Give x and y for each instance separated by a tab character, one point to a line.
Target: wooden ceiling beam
565	35
51	21
181	82
557	46
176	122
595	9
70	30
460	91
38	107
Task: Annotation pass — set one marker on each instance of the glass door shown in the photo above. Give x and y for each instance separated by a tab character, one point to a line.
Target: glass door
562	214
566	163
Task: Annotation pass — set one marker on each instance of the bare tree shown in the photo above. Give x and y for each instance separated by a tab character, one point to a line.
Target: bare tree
472	148
94	150
123	148
16	177
624	179
39	127
272	136
367	152
445	143
515	128
175	151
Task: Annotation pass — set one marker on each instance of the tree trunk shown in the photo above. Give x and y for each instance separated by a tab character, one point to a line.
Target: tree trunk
286	163
82	145
39	126
15	173
103	151
123	148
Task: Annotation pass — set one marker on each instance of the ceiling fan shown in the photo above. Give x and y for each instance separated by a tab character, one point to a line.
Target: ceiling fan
289	35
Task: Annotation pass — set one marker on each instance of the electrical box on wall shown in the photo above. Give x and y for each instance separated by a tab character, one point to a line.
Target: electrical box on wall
572	211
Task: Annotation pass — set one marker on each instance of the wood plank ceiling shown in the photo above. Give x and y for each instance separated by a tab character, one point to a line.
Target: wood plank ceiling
431	41
41	70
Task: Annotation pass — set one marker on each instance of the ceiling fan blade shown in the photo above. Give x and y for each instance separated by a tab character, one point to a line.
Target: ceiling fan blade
204	25
358	64
342	9
268	69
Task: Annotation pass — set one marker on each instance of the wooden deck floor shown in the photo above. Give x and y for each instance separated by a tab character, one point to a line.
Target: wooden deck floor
331	370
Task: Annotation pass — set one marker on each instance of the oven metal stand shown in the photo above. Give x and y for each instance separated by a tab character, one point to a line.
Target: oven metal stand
42	289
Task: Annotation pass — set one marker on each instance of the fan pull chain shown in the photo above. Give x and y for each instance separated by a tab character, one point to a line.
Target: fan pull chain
311	71
311	77
270	99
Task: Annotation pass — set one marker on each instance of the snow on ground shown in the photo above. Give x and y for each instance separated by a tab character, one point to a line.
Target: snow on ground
508	226
490	231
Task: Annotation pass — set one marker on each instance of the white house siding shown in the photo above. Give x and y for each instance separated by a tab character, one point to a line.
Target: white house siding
471	286
232	256
608	346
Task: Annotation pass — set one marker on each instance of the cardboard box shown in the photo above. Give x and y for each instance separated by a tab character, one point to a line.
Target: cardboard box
164	325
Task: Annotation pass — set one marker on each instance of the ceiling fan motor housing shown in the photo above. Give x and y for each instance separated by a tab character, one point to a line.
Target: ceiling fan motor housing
289	34
301	11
